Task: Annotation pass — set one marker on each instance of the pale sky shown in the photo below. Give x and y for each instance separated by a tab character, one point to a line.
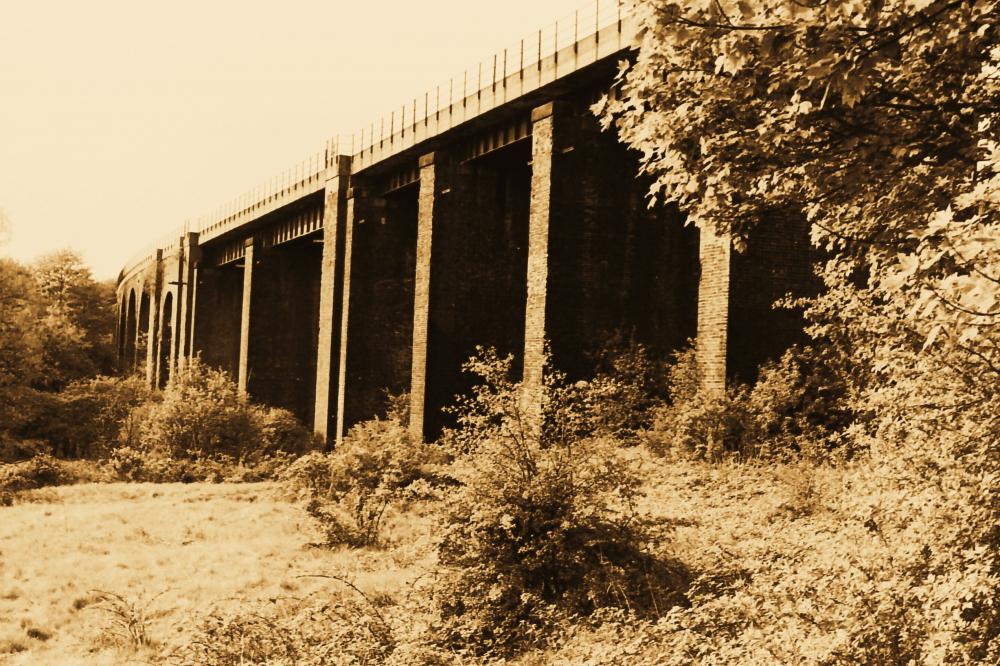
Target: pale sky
119	119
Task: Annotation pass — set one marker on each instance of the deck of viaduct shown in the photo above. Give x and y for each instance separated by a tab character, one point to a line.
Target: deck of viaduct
505	218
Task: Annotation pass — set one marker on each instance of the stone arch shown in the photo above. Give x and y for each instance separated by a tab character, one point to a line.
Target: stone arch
166	340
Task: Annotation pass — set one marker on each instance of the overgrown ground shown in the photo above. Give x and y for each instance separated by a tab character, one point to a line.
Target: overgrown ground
182	549
186	550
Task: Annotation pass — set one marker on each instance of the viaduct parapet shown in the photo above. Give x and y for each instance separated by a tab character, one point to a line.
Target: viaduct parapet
496	214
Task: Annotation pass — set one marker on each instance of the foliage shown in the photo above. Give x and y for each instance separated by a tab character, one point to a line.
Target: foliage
37	472
20	349
798	407
545	524
55	327
90	417
202	414
378	465
128	619
42	471
628	386
340	631
879	122
77	329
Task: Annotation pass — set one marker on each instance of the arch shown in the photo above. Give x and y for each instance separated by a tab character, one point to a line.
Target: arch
128	358
166	340
143	338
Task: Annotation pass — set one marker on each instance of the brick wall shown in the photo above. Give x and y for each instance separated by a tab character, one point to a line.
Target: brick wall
380	318
284	326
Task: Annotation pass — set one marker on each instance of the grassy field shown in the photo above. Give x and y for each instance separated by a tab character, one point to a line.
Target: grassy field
177	552
174	550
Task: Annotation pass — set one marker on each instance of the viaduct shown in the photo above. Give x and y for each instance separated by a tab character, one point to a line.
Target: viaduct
495	212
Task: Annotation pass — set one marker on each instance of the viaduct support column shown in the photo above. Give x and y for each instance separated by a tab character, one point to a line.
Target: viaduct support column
345	310
331	298
421	293
713	310
186	285
546	129
153	340
461	260
244	358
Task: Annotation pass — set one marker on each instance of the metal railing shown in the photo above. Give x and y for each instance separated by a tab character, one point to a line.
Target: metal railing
522	60
515	60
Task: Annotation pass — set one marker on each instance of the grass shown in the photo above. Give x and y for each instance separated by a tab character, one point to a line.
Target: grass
170	552
121	573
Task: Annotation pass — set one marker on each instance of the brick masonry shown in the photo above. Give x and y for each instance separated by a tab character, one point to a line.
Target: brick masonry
543	144
284	326
713	309
378	342
331	298
426	199
345	311
544	239
243	372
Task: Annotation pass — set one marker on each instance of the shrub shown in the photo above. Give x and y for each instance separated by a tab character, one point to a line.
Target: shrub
38	472
135	465
696	423
350	489
43	470
800	404
338	632
203	416
91	417
280	433
202	413
797	407
628	386
545	523
128	463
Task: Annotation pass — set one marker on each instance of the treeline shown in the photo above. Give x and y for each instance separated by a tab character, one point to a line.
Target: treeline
56	329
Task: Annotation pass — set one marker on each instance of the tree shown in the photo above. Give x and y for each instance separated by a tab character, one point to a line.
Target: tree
880	122
78	327
21	354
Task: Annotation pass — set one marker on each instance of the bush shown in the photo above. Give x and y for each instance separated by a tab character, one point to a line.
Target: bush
203	416
797	408
545	524
135	465
202	413
626	390
700	424
38	472
279	433
350	489
43	471
800	404
91	417
338	632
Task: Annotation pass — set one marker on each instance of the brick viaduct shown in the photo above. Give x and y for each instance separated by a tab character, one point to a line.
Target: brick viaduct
500	216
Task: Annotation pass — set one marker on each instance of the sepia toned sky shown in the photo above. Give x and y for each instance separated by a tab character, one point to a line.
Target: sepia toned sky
119	119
